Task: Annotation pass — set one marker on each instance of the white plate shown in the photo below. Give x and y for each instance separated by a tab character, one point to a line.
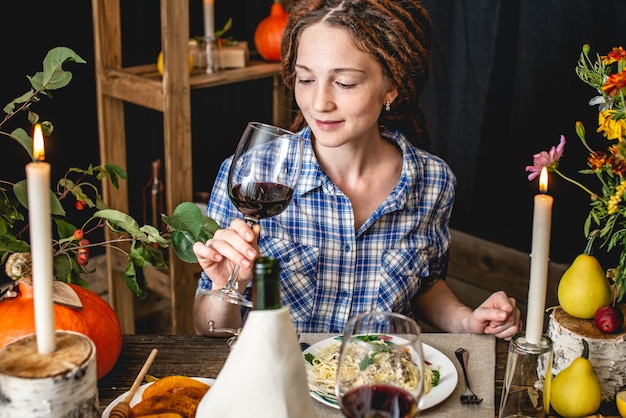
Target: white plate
447	381
137	398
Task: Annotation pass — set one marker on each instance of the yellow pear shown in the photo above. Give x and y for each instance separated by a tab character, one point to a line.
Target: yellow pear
584	288
160	63
575	391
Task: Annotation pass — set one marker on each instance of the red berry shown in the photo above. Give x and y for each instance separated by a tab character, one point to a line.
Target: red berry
79	234
80	205
82	259
609	319
83	250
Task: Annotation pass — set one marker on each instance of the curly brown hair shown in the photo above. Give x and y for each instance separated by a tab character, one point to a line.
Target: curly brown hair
396	32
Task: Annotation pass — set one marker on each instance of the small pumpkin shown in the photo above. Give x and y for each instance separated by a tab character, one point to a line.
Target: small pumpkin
96	319
269	33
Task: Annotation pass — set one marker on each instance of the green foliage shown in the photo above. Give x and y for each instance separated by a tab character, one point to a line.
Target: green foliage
142	245
189	226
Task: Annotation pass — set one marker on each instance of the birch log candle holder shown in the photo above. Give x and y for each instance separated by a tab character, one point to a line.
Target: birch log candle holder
60	384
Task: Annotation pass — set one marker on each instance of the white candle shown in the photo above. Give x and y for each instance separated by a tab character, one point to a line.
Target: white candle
39	220
539	260
209	18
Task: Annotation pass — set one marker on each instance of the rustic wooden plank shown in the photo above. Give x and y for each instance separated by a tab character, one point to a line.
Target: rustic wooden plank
253	71
143	85
281	104
112	139
133	88
177	148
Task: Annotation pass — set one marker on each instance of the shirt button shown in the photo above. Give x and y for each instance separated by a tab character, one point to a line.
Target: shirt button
347	248
343	294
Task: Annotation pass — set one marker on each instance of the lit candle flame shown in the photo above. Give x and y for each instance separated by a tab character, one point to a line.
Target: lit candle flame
543	180
38	148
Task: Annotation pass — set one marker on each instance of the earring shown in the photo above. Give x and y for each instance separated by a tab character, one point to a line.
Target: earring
387	105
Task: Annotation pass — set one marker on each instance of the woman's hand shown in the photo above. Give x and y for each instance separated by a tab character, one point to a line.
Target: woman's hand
236	244
498	315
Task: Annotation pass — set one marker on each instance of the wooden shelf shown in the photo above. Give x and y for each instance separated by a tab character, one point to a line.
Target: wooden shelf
143	85
169	94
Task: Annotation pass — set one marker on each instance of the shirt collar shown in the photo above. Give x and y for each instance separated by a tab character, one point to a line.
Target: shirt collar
312	176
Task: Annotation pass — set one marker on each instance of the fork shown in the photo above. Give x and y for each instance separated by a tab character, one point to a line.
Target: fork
468	396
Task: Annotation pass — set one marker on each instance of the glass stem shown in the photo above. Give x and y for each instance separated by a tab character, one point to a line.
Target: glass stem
233	283
233	280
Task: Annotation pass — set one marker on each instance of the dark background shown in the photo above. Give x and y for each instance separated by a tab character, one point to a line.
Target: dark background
503	87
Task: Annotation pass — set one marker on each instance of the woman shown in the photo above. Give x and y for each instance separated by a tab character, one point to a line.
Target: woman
368	226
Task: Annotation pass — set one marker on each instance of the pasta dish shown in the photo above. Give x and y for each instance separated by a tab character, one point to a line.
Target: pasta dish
380	364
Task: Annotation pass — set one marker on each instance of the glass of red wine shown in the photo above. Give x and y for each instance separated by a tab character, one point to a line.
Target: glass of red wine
263	175
380	372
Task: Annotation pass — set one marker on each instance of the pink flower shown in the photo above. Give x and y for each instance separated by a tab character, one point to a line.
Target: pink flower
550	160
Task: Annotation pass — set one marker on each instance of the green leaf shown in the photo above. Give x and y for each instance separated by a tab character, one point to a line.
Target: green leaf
209	226
21	137
189	226
134	276
121	220
436	376
88	170
21	193
65	229
226	28
53	76
148	256
11	244
366	361
186	217
8	213
153	235
24	98
115	171
62	266
182	241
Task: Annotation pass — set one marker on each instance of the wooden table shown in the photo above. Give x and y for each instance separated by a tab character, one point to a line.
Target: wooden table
205	356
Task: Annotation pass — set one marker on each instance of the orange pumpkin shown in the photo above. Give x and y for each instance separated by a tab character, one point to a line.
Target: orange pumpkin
97	320
269	33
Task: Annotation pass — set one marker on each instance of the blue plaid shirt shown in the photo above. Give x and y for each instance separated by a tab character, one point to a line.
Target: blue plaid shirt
330	273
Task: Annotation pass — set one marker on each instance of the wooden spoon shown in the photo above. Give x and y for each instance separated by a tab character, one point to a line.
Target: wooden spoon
122	409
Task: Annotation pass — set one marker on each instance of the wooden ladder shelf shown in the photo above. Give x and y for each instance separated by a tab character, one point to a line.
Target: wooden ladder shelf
169	94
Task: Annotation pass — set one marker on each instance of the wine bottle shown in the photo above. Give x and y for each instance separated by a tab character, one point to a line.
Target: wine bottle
153	198
266	284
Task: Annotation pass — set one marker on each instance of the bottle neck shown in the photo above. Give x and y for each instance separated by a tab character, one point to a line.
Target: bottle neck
266	284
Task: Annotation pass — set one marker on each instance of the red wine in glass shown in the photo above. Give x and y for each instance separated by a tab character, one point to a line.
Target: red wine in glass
378	401
261	199
263	175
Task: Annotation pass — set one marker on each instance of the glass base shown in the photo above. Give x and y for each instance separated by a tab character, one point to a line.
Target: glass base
522	392
230	296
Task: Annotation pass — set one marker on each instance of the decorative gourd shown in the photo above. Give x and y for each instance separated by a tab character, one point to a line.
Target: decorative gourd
96	319
269	33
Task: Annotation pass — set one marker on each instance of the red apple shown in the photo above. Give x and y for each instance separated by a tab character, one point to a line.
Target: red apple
609	319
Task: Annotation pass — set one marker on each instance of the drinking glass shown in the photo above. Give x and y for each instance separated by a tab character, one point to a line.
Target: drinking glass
263	176
528	371
380	372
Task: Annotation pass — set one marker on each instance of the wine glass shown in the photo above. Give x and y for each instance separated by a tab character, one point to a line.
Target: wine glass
261	181
380	372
